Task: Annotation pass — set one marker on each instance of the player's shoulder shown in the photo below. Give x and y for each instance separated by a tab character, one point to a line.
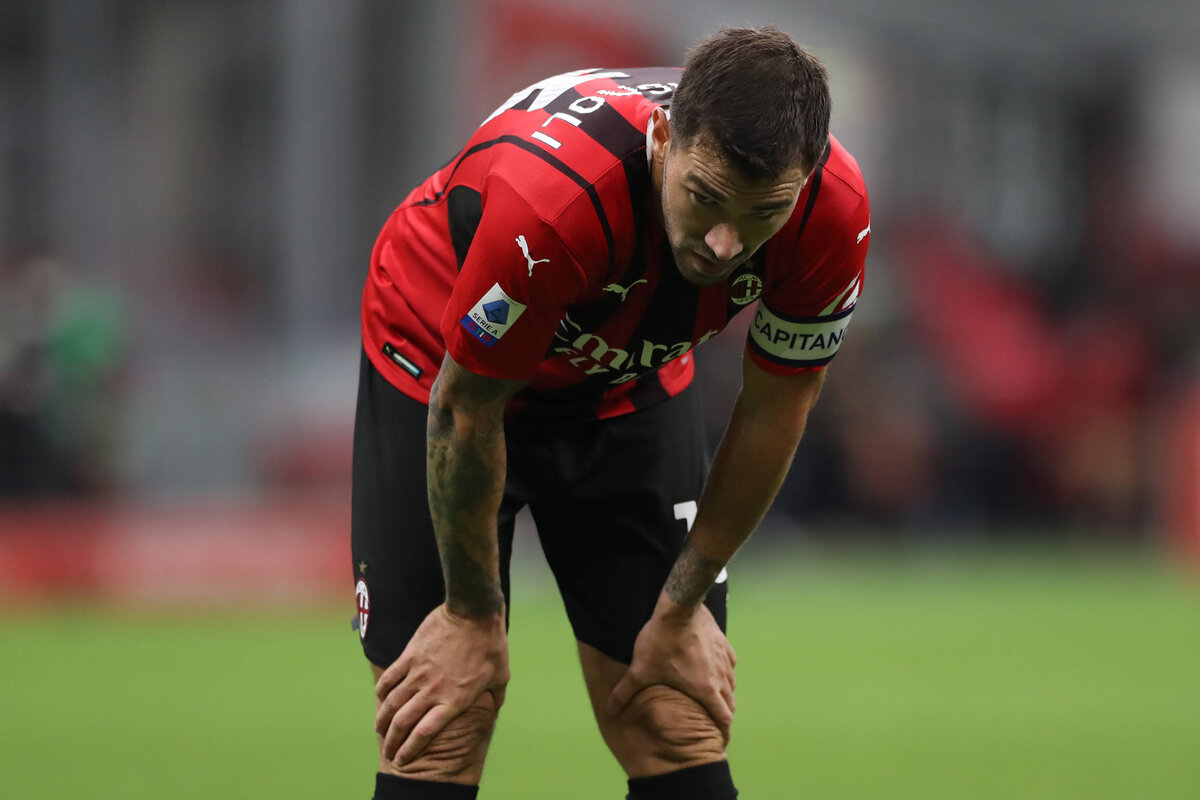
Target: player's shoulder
580	123
841	170
841	187
832	202
572	148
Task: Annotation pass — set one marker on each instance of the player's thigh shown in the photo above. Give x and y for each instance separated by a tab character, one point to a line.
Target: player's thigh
613	505
397	569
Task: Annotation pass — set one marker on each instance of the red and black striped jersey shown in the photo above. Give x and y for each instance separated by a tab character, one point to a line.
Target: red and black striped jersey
536	255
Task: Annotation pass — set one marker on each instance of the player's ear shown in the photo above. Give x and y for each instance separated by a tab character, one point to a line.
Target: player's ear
660	133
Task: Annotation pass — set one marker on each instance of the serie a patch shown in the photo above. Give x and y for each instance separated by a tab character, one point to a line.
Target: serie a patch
491	317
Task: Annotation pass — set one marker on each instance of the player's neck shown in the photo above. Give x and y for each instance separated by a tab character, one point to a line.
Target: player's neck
655	200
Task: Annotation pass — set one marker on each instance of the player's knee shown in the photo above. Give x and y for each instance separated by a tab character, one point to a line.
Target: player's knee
456	754
666	725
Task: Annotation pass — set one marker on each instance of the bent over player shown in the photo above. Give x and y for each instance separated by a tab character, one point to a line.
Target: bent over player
528	326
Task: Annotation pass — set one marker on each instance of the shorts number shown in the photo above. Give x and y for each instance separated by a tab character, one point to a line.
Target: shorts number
687	511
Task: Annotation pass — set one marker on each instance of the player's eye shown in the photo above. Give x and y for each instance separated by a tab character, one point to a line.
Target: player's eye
766	214
702	199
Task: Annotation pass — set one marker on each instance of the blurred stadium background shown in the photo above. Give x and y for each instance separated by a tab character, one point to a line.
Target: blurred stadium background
979	581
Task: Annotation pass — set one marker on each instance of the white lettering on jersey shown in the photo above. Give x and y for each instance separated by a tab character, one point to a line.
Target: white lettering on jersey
550	140
808	341
595	356
641	88
656	88
524	245
620	91
616	288
550	89
584	105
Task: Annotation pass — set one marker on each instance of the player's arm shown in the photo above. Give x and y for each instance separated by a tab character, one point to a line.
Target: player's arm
752	460
465	464
461	648
681	645
799	327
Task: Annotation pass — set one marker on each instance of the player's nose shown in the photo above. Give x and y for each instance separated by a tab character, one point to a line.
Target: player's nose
723	240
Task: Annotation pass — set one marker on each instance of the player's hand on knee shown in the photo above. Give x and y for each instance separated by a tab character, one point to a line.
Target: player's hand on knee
450	661
686	650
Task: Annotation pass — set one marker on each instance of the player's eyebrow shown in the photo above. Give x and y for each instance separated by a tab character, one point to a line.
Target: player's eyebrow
698	184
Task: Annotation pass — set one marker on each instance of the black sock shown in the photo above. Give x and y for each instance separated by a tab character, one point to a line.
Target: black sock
393	787
705	782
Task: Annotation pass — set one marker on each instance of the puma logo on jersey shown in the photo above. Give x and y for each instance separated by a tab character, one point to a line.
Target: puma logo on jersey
616	288
524	245
864	232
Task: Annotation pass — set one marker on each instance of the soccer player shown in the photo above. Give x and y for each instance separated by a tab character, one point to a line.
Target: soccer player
528	326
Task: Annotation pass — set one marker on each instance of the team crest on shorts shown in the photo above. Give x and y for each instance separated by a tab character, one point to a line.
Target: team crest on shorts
363	596
745	289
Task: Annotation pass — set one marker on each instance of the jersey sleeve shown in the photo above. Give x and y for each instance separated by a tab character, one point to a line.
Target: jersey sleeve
516	280
802	317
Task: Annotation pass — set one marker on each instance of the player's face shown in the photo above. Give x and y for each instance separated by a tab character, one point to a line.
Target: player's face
714	217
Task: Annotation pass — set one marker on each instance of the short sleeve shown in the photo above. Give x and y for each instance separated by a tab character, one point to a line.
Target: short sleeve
516	280
804	313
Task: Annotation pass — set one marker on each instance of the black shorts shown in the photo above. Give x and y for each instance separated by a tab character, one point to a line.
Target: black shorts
611	499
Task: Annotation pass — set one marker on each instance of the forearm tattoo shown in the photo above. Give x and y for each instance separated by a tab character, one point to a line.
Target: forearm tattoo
691	577
465	469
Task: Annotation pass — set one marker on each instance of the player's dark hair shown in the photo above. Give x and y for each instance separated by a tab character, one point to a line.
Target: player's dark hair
761	99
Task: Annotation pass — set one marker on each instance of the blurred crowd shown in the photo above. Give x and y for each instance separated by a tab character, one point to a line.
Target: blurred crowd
982	387
61	351
988	403
996	401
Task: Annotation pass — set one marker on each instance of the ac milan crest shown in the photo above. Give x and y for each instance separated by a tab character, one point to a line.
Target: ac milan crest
745	289
363	596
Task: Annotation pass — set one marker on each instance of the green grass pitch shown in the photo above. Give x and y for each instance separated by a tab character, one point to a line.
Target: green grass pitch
977	678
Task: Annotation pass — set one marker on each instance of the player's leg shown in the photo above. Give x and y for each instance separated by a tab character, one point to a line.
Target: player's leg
660	730
399	578
455	755
613	505
665	741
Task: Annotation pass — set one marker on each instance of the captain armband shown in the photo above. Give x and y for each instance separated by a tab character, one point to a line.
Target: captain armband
798	341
